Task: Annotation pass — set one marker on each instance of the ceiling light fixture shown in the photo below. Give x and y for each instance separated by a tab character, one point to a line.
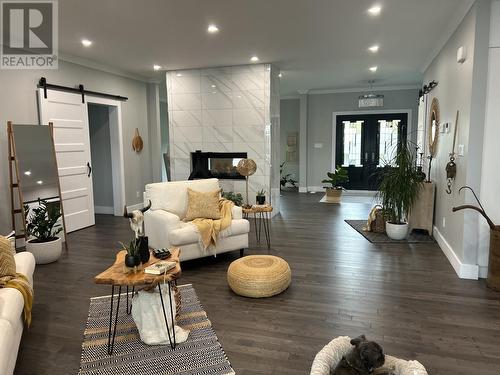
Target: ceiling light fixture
373	69
374	48
39	182
156	67
179	74
86	42
212	29
213	86
280	75
27	173
375	10
254	58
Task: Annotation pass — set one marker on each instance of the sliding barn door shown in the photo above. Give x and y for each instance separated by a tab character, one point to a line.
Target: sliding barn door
72	143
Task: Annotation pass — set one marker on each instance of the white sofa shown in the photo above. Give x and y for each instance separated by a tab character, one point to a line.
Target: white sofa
164	224
11	315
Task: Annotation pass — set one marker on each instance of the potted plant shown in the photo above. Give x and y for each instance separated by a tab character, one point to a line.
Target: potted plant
260	198
336	178
236	198
286	178
133	258
42	227
399	189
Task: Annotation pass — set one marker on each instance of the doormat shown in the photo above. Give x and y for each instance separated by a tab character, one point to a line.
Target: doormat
374	237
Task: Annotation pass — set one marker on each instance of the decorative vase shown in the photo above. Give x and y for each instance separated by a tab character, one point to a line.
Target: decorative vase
396	231
143	245
45	252
132	261
333	195
260	199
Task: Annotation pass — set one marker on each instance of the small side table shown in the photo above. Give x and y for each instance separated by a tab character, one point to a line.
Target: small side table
261	218
115	276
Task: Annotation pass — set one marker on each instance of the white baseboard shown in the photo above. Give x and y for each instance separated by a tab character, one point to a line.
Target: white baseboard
104	210
302	189
463	270
133	207
483	272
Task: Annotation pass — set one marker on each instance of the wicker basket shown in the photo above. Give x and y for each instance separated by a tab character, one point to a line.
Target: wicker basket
378	225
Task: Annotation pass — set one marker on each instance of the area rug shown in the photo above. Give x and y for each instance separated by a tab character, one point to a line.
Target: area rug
200	354
414	237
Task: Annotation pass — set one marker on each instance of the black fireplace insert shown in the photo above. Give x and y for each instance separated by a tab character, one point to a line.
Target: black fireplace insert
221	165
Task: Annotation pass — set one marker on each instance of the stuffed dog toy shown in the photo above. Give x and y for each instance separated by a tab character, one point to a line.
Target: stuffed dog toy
363	358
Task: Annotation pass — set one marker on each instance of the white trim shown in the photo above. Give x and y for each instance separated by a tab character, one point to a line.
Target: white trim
103	210
463	270
101	67
133	207
483	272
409	113
116	140
364	89
302	189
289	97
447	32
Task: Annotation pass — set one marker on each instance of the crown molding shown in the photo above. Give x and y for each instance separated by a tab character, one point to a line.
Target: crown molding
285	97
102	67
363	89
455	21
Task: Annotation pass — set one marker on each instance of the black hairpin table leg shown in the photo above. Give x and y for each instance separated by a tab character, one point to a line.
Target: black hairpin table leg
112	327
172	343
265	217
129	310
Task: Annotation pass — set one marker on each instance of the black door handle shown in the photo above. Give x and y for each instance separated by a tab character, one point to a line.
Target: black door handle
89	168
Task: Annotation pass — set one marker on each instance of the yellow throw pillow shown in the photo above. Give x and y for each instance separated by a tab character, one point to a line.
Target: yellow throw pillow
7	262
203	205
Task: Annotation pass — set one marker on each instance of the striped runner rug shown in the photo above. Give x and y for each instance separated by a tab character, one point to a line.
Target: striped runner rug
200	354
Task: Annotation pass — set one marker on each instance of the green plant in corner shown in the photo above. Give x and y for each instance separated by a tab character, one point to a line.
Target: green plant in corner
42	221
400	186
287	178
236	198
337	178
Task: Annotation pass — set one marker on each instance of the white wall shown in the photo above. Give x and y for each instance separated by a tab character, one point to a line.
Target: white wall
227	109
461	87
490	179
18	103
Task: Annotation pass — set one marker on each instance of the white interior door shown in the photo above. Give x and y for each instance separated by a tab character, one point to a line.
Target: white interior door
72	143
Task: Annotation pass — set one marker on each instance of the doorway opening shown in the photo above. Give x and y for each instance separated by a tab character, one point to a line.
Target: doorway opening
365	143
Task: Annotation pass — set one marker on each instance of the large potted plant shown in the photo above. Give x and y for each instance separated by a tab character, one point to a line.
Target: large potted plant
42	228
399	189
337	179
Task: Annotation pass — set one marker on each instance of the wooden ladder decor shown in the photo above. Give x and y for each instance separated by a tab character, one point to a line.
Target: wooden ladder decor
15	185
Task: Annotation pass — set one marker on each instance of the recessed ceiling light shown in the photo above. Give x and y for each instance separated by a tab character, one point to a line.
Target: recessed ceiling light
373	69
213	86
86	42
375	10
212	29
179	74
280	75
156	67
27	173
254	58
39	182
374	48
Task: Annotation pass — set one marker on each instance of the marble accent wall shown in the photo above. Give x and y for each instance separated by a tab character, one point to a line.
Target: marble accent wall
227	109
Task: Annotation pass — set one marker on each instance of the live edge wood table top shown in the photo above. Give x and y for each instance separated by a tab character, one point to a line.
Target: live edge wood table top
114	275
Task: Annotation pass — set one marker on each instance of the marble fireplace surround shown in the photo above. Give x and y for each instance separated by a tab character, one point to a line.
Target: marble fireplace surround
227	109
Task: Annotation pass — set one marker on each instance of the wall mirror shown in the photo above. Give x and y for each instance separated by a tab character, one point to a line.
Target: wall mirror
433	130
34	172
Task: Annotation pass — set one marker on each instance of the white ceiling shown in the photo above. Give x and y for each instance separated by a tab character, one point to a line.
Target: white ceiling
318	44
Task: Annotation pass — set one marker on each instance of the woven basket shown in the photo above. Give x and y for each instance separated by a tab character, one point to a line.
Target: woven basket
378	225
258	276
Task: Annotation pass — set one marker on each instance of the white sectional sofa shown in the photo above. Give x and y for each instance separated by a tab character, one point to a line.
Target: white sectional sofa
11	315
164	224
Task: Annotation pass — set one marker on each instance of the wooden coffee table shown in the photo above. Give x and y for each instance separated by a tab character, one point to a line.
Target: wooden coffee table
115	276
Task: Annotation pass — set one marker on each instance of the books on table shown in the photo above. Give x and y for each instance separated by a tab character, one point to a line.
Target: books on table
159	268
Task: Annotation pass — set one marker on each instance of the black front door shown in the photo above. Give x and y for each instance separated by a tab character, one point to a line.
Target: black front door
365	143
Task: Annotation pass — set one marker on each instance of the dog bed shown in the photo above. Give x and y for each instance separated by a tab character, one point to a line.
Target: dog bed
332	353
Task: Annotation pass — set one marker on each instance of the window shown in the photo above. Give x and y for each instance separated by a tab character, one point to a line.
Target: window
352	143
389	133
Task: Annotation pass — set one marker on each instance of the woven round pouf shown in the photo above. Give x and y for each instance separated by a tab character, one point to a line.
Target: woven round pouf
259	276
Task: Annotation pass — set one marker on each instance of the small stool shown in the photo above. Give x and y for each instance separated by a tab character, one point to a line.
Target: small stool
261	217
258	276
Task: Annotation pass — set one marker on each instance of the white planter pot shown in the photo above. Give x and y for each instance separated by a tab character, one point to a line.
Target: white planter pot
45	252
396	231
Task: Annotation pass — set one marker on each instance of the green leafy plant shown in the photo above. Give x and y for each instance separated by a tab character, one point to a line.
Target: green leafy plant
237	198
132	247
42	221
337	178
400	186
261	193
287	178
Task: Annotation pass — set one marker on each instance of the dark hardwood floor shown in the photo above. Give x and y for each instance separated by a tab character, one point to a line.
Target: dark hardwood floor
406	297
